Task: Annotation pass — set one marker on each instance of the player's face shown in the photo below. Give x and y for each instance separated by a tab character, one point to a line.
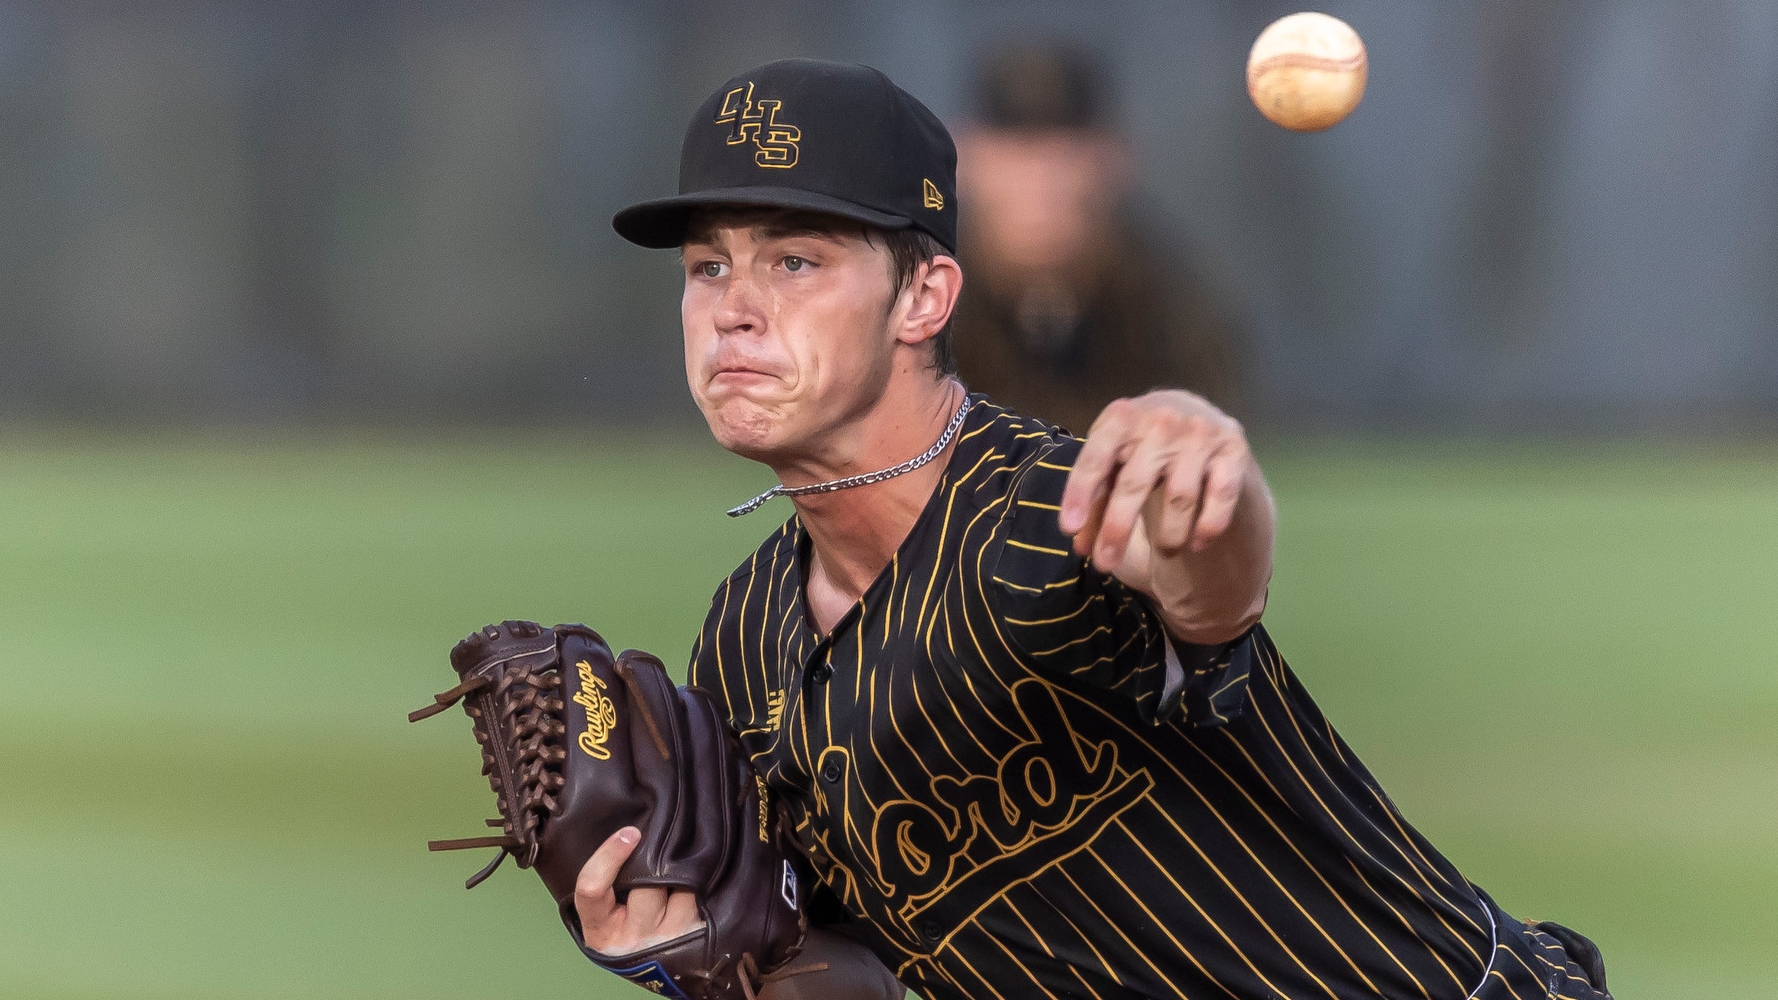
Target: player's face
787	334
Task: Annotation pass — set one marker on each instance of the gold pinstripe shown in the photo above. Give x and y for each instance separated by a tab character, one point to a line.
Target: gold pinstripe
871	736
937	730
1015	961
1070	644
1062	912
1044	944
932	579
982	979
1320	878
894	576
1260	715
1015	543
1136	950
1304	741
1248	906
1525	965
1211	809
1076	613
1036	590
1405	922
1229	941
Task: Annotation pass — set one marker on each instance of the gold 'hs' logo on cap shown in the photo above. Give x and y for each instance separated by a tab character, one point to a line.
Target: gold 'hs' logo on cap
930	196
757	122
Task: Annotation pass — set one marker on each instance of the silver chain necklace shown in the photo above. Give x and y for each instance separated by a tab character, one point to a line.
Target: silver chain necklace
832	485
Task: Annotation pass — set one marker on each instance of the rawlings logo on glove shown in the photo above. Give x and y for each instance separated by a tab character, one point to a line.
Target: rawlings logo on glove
601	714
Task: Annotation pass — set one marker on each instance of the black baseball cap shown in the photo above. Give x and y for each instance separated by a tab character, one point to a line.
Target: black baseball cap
818	136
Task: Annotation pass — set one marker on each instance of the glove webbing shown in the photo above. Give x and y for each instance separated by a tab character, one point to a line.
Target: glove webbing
534	715
533	729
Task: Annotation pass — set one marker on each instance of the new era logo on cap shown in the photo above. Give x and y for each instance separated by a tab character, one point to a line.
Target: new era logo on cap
861	148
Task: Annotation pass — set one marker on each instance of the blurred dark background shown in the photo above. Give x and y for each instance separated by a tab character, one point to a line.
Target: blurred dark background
1543	216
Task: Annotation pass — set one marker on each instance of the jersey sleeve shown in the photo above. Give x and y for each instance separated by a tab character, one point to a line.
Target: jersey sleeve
693	673
703	671
1067	618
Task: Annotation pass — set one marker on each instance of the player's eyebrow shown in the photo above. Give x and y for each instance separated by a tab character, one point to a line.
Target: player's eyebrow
783	227
766	235
785	230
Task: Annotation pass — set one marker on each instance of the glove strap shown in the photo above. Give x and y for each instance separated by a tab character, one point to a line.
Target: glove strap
506	845
446	699
772	977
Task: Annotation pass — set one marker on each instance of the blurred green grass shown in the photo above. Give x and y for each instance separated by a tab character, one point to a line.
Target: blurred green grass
1559	659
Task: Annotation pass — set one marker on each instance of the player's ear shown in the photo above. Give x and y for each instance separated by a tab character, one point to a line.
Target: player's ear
927	302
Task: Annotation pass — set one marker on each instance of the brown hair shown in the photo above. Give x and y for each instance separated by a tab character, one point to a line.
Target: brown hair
907	248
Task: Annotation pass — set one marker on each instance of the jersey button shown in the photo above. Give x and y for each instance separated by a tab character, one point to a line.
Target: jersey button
832	771
822	674
931	931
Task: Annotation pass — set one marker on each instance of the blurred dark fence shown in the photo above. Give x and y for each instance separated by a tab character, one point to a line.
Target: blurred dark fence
1543	216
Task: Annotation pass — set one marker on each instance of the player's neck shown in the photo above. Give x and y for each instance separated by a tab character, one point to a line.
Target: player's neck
854	533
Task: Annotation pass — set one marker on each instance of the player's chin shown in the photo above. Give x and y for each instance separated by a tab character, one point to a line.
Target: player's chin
748	427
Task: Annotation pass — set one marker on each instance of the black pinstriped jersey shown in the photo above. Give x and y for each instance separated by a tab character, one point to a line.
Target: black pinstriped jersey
1013	786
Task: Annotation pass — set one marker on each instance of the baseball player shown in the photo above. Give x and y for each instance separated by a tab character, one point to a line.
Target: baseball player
1010	687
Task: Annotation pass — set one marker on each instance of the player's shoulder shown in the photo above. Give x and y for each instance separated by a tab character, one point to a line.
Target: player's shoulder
737	597
1003	452
771	558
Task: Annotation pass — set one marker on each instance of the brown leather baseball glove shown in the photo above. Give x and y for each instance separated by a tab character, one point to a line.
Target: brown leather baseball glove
578	744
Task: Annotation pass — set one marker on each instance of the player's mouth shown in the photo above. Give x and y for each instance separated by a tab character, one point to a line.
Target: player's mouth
740	375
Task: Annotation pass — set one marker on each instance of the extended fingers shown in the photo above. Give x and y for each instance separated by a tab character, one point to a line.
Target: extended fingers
1135	480
1181	495
1168	458
1162	483
1089	532
1224	479
1089	484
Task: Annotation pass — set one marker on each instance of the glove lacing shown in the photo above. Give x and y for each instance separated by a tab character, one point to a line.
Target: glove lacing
526	703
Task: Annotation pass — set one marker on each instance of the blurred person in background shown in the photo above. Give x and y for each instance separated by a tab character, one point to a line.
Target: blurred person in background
1073	299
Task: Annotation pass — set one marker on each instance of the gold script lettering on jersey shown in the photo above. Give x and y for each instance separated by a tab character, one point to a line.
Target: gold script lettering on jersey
1050	791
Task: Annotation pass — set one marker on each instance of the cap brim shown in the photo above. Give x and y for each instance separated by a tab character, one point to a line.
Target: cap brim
660	224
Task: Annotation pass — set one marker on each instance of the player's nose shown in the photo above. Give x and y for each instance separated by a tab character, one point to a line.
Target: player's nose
741	307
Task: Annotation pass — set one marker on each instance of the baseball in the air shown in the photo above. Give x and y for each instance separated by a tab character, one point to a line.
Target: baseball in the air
1306	71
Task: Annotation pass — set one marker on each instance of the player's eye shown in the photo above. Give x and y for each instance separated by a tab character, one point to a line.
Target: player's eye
794	263
710	269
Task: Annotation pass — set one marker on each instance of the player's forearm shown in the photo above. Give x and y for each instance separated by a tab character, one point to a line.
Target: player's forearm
1214	595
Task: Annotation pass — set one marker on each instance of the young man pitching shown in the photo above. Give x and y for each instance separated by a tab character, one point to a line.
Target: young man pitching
1009	685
